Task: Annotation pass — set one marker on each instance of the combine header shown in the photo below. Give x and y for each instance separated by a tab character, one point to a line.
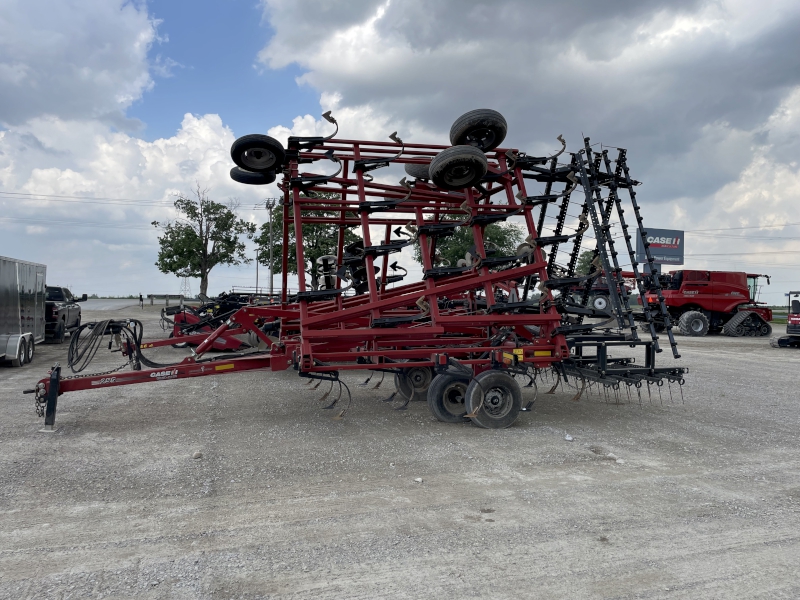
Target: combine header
460	335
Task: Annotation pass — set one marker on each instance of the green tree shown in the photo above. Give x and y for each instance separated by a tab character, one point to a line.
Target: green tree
319	239
506	236
584	262
206	234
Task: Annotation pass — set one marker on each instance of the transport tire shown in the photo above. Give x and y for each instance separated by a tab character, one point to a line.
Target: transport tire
258	153
183	345
250	178
446	397
458	167
31	352
600	302
22	354
418	171
415	381
693	323
483	128
495	400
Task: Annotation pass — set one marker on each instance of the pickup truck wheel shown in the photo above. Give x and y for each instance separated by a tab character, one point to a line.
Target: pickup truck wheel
61	331
22	354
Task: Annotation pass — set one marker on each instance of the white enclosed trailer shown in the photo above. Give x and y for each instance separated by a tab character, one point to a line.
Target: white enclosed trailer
22	296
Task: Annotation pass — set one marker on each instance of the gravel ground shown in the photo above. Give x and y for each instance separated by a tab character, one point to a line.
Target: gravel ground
667	498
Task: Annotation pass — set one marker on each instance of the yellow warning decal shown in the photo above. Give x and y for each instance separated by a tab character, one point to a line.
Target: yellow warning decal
224	367
519	352
542	352
146	346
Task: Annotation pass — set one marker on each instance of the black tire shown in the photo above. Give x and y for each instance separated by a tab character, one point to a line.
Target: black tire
248	177
22	354
61	331
31	352
495	400
600	302
765	330
693	323
403	387
419	378
458	167
181	345
418	171
483	128
446	397
258	153
735	327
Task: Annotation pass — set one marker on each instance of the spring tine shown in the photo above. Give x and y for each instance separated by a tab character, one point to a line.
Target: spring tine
649	396
639	393
390	398
660	399
365	382
680	387
577	396
529	405
340	416
332	404
326	394
377	385
669	385
318	384
552	390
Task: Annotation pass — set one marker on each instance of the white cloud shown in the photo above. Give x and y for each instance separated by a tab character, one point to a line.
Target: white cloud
74	59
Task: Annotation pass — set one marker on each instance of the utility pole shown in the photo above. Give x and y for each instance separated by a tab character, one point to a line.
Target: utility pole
269	204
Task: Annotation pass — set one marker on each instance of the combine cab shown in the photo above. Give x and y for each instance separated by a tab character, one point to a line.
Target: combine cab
792	337
703	302
461	335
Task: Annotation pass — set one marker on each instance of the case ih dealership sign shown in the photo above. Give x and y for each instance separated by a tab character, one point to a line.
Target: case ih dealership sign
666	246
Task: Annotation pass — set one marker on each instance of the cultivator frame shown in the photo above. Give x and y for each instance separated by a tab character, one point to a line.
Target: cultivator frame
512	314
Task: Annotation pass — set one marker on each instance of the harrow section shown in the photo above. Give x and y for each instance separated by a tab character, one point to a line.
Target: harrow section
459	335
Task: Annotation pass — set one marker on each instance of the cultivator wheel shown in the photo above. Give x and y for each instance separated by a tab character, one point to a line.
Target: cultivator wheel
446	397
493	400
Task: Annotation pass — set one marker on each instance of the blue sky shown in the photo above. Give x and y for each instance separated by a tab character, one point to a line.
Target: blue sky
215	45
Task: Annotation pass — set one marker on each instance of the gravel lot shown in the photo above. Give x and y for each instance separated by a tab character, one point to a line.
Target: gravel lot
665	499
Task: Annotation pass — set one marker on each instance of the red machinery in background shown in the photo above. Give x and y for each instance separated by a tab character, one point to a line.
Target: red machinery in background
460	335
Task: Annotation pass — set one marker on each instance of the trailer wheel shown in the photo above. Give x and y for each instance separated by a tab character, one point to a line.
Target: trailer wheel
446	397
258	153
22	354
418	171
251	178
458	167
493	400
31	352
693	323
483	128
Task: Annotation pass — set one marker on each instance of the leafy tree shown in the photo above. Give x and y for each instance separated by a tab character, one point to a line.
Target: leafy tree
206	234
507	236
319	239
584	262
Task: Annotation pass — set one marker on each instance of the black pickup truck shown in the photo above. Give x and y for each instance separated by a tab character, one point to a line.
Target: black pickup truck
62	313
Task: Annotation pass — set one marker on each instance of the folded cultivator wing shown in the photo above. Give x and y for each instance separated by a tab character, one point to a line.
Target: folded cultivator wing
461	334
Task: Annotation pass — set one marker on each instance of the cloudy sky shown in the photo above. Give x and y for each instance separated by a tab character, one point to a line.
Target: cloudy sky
108	109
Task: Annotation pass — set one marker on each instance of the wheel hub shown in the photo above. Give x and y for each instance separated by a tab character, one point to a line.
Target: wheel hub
497	402
460	175
258	158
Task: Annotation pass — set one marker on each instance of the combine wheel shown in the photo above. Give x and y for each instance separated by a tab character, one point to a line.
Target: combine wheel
257	153
446	397
458	167
418	171
693	323
483	128
493	400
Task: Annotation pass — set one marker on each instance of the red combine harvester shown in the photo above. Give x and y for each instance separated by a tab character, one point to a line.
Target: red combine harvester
703	302
792	337
460	335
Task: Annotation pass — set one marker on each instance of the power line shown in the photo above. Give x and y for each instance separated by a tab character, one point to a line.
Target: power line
735	228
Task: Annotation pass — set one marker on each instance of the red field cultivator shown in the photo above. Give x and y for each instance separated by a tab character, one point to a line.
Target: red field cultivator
460	335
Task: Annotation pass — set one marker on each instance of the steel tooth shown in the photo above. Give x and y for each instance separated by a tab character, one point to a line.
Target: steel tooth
680	387
317	385
552	390
577	396
377	385
365	382
390	398
326	394
332	404
669	385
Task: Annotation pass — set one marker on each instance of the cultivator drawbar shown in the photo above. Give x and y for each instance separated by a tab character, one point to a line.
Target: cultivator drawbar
460	335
